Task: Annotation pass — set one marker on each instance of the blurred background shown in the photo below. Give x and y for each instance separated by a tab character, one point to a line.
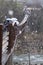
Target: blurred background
31	40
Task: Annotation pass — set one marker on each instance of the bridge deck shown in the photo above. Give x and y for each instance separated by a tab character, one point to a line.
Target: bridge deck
6	56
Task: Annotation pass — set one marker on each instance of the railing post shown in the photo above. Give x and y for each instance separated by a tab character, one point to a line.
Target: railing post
10	38
1	33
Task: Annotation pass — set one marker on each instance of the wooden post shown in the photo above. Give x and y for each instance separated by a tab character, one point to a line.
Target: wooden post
10	38
1	27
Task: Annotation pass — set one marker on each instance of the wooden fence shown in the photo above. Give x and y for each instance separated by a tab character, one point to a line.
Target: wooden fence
6	43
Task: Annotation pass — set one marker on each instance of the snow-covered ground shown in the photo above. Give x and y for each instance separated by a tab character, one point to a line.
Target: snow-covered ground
34	59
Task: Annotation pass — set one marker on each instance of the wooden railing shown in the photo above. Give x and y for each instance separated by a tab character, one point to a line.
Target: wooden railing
6	43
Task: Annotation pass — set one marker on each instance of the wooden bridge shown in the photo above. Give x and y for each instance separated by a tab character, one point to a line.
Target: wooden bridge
7	39
6	44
